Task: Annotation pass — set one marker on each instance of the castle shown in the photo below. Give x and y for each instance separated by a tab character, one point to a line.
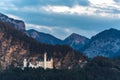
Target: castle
44	64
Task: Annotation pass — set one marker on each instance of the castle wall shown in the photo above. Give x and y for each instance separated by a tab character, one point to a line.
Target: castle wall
41	64
44	64
49	64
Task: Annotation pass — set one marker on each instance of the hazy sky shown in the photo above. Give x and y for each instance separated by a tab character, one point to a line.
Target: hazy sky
63	17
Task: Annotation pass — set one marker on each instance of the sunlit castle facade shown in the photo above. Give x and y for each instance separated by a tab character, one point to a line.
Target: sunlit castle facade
44	64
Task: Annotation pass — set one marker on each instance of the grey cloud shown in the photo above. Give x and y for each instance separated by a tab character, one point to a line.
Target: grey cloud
117	0
51	2
80	22
83	2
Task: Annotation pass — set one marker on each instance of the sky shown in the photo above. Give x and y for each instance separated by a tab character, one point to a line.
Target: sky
64	17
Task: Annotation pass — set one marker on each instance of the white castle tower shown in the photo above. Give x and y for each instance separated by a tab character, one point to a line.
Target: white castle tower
48	63
45	59
25	63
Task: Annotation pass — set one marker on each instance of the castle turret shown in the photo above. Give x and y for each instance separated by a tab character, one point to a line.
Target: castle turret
25	63
51	60
51	65
45	59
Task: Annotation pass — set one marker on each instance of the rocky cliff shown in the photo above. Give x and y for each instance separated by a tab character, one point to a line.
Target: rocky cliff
17	24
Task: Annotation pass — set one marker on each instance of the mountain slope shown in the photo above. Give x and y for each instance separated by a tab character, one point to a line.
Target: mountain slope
76	41
43	37
106	43
15	46
17	24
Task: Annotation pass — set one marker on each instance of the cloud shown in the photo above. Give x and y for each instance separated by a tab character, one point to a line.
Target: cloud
62	32
13	16
117	0
64	23
77	9
84	3
101	10
38	27
7	5
63	17
101	2
107	8
51	2
3	6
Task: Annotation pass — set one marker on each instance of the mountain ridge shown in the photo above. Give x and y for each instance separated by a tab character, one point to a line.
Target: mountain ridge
43	37
74	40
105	43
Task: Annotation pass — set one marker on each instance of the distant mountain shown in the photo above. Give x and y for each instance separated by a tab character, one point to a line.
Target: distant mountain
17	24
105	43
43	37
76	41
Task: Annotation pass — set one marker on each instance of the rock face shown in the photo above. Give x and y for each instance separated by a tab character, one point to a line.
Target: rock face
76	41
17	24
11	49
16	46
106	43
